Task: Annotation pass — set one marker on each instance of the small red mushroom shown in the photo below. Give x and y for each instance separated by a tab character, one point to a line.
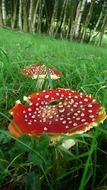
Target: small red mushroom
56	112
39	71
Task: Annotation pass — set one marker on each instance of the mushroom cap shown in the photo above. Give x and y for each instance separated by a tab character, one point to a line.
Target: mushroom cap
56	112
35	70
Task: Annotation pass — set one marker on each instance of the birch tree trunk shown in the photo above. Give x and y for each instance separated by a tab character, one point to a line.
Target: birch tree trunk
77	21
101	35
34	20
53	20
40	16
31	12
14	14
88	18
73	8
97	24
4	12
25	20
64	25
1	21
60	21
20	16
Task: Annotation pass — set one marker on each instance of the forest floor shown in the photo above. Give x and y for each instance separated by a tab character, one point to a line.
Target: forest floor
26	163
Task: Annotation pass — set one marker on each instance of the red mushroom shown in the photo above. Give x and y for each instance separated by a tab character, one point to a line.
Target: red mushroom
56	112
39	71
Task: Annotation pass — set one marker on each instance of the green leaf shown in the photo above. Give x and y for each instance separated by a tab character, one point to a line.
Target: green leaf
32	181
43	142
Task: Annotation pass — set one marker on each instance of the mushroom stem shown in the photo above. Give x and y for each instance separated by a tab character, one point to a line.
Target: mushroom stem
39	83
49	77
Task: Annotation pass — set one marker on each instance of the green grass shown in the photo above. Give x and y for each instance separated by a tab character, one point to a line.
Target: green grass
26	163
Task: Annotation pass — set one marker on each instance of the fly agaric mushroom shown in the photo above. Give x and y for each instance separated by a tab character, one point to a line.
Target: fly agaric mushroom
39	71
56	112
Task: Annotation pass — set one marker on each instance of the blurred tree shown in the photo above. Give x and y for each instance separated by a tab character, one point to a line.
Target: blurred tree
72	19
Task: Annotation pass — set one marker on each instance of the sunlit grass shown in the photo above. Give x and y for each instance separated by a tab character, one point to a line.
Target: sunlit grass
83	68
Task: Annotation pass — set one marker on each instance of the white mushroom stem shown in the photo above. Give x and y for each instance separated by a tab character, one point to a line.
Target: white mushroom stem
40	82
67	144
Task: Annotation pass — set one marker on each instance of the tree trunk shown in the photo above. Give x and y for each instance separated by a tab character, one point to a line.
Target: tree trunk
40	16
31	12
97	24
1	21
64	25
60	21
73	8
104	24
4	12
14	14
25	20
20	16
88	18
34	20
53	24
77	21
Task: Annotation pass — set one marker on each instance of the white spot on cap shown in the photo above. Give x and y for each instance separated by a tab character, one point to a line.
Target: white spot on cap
90	111
69	122
44	119
29	109
83	109
72	109
89	105
29	123
33	116
85	100
75	124
64	122
50	116
61	110
61	118
91	116
76	114
75	106
80	102
46	96
45	129
82	114
66	126
81	106
60	106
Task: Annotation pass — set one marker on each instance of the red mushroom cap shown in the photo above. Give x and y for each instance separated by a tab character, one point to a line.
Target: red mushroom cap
60	111
35	70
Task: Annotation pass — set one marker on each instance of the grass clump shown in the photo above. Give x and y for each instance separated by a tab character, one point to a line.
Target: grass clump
28	163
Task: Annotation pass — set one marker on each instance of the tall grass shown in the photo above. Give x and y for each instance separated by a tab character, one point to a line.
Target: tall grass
27	163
